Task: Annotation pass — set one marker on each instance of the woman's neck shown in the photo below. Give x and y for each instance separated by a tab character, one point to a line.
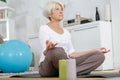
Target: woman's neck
54	24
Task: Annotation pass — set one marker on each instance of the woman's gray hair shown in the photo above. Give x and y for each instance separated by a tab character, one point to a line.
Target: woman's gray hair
49	7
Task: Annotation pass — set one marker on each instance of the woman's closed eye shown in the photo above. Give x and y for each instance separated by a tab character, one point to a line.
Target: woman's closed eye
58	9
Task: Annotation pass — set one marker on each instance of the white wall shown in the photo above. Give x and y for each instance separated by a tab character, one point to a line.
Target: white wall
29	16
86	8
115	8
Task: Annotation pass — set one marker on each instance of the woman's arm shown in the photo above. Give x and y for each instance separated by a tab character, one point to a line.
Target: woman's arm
78	54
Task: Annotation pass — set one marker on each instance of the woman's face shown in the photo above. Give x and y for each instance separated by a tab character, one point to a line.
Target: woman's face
57	13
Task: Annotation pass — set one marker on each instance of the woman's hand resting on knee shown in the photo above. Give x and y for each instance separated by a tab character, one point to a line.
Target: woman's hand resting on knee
78	54
103	50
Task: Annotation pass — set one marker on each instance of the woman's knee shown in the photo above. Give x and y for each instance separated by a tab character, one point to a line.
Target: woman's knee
56	53
57	50
101	57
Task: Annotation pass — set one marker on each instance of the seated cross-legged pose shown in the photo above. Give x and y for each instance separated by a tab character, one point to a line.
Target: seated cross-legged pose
55	42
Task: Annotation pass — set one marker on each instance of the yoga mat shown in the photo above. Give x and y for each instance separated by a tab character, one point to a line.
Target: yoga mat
35	74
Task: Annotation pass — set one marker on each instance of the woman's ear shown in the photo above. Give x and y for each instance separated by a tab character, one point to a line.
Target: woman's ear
49	16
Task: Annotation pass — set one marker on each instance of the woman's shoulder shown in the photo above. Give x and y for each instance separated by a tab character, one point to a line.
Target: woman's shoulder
44	27
66	31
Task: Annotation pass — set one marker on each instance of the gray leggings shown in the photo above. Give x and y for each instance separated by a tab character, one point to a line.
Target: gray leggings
84	64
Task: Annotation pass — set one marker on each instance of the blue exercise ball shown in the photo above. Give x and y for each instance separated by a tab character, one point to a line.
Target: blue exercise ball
15	56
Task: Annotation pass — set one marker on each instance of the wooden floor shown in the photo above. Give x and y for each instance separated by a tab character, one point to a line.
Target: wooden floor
49	79
58	78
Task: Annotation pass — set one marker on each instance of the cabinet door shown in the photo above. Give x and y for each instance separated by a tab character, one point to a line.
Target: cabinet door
85	39
97	36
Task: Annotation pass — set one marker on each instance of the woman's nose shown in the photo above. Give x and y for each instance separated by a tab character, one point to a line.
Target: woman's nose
61	11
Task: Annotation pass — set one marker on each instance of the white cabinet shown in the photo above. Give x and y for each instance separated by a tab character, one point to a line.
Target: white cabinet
93	35
7	24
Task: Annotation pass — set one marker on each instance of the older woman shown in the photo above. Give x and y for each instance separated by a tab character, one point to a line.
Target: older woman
56	44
